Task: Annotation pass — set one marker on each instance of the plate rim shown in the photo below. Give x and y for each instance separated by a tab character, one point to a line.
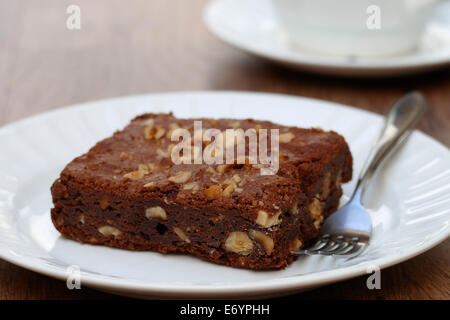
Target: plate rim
266	286
377	68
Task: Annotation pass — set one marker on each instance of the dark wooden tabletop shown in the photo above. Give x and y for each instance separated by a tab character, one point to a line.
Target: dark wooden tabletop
144	46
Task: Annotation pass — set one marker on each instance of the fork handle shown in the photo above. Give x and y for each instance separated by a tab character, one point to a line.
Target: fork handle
404	116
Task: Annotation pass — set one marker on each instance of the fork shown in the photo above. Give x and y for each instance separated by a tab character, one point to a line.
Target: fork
347	232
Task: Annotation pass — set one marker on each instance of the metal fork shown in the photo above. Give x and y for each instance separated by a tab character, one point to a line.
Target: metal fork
347	232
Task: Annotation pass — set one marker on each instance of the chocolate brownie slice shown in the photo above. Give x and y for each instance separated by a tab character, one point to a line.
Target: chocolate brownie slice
126	192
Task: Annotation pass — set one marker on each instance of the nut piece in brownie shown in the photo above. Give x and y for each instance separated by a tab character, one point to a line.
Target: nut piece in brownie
126	192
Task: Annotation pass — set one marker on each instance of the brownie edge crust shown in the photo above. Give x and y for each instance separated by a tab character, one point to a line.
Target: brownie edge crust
127	193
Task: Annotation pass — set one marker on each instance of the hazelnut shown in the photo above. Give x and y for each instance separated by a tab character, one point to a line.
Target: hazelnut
109	231
286	137
156	213
180	233
265	240
214	192
181	177
267	220
239	242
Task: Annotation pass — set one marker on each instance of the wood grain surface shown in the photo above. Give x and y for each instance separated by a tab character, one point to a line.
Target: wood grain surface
143	46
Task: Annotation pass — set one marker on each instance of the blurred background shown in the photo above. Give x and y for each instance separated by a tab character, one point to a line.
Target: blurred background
145	46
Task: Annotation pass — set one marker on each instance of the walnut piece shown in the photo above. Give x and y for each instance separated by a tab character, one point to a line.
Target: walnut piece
236	178
286	137
139	174
267	220
143	168
154	133
181	177
228	190
135	175
156	213
109	231
191	186
221	168
315	210
172	127
151	184
104	203
295	244
265	240
239	242
159	133
180	233
214	192
161	153
149	123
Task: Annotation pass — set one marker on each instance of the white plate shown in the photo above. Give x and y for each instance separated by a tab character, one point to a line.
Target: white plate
250	25
409	201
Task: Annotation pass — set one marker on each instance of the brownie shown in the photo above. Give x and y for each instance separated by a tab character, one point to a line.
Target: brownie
126	192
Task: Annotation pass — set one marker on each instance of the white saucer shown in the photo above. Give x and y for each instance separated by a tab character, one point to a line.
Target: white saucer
408	200
250	25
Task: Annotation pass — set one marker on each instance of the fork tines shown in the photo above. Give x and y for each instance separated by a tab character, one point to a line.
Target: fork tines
338	246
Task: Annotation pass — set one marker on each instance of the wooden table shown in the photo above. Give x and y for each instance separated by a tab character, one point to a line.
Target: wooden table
142	46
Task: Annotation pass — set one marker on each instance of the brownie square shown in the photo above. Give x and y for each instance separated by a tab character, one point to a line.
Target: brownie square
126	192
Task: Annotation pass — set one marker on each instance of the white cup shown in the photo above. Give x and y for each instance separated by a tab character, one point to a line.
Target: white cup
354	27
